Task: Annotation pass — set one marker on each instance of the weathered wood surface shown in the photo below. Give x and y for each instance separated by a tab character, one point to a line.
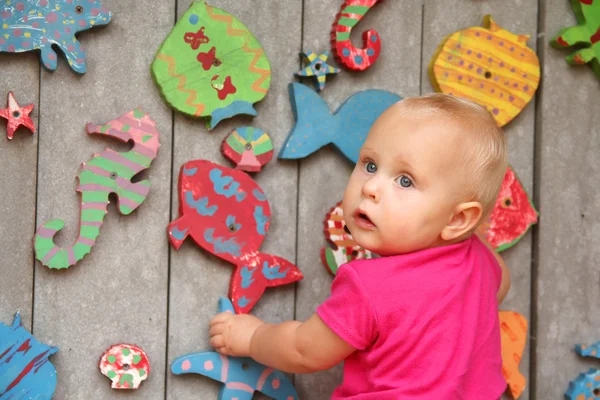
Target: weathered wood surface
443	18
198	278
118	293
18	163
133	288
568	246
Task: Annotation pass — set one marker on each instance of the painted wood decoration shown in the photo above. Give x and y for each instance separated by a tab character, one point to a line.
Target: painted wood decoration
586	34
345	249
512	216
588	351
249	148
347	128
211	66
585	386
16	116
105	173
126	365
490	66
25	371
241	377
317	67
513	334
351	13
227	214
29	25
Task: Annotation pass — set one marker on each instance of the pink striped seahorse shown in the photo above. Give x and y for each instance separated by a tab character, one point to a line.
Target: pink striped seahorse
105	173
345	53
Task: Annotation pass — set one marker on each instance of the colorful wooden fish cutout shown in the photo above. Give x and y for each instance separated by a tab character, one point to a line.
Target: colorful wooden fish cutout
228	215
490	66
317	67
512	216
126	365
105	173
585	386
513	335
249	148
585	34
351	13
16	116
211	66
25	371
347	128
345	249
241	377
588	351
29	25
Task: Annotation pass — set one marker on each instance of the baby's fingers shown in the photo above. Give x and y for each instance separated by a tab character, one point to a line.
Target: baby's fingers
217	329
222	350
220	318
217	342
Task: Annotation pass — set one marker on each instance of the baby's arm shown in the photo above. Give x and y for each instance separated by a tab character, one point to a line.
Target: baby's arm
505	283
295	347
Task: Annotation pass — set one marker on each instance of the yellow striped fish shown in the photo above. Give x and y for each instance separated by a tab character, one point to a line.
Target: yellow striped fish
488	65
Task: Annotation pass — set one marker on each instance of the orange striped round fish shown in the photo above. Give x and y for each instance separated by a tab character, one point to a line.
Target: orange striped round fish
490	66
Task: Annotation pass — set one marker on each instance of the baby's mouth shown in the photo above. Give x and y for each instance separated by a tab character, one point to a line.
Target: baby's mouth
362	220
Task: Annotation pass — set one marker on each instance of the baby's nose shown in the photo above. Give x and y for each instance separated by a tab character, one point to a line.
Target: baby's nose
370	189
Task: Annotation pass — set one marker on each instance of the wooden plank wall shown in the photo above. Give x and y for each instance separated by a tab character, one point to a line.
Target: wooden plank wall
568	240
444	17
134	288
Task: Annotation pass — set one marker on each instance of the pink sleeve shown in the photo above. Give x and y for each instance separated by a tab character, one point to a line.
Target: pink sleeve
348	311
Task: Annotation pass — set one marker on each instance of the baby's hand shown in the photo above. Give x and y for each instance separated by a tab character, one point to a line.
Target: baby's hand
231	334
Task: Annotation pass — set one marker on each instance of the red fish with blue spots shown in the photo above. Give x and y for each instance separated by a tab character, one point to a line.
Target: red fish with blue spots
228	215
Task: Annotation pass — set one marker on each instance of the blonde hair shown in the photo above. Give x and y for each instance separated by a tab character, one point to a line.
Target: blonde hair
486	152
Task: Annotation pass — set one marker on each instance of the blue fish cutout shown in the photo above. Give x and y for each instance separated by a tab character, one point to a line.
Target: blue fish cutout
347	128
25	372
584	386
241	377
588	384
47	25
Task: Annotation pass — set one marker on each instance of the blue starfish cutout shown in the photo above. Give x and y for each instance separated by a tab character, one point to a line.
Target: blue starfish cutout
317	67
241	376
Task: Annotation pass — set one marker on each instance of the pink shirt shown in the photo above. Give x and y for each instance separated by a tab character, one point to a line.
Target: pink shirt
425	325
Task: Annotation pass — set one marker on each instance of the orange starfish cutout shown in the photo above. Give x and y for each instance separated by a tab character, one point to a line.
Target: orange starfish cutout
16	116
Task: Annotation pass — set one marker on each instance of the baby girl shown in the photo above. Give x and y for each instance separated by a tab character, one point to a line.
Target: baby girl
421	320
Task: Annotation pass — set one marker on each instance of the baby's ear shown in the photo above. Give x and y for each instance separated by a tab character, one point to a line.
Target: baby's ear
466	217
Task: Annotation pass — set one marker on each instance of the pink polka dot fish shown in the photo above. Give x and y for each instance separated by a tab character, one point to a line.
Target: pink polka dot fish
241	376
29	25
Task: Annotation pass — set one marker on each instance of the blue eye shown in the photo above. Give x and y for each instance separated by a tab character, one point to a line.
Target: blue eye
370	167
404	181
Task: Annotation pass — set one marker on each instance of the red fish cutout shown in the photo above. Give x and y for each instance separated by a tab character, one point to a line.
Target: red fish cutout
513	334
512	215
228	215
345	249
